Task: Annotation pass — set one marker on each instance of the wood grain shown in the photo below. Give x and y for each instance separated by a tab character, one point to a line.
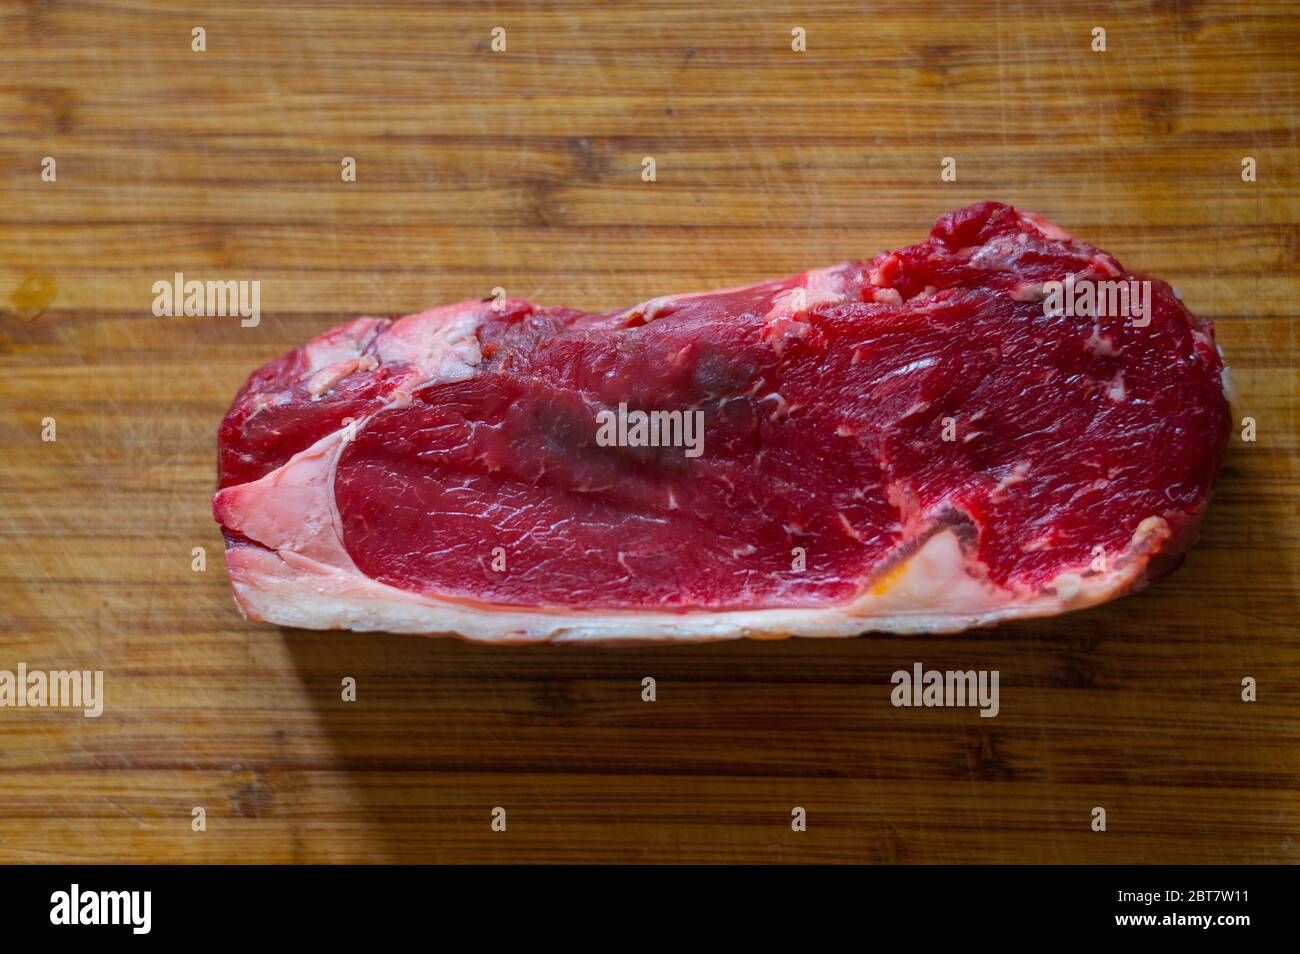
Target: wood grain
522	169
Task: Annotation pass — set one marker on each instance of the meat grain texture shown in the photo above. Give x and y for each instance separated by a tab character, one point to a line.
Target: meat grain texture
918	443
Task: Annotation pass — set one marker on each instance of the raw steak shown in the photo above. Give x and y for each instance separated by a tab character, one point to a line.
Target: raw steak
921	443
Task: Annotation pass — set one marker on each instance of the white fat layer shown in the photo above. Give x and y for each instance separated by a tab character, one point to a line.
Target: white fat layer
442	342
292	509
822	286
340	344
934	592
1230	391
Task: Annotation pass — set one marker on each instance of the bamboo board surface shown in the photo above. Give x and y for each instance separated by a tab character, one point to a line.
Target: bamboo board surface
522	169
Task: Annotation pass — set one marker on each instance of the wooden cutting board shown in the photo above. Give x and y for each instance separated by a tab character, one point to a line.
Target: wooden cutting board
523	169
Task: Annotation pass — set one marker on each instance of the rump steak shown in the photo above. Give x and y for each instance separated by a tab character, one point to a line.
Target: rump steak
946	436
